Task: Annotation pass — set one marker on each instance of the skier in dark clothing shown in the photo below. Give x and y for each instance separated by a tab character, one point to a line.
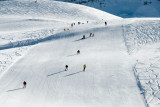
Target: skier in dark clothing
93	35
72	25
78	52
105	23
83	37
24	84
66	68
90	34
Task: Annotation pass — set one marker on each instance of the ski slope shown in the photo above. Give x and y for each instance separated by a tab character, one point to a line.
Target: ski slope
24	23
107	81
122	58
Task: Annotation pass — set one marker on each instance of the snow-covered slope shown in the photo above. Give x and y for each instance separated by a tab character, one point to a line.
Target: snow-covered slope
52	10
124	8
142	39
24	23
107	81
37	41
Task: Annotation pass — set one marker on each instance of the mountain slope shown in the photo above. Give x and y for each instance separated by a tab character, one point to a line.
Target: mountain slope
53	10
107	81
24	23
124	8
35	47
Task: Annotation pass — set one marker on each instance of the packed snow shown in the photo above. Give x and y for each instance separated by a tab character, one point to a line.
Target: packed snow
37	41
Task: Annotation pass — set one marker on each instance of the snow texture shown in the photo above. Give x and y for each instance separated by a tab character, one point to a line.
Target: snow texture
37	41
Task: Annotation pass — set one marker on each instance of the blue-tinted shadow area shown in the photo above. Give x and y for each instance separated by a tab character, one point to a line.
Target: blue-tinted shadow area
73	74
57	36
55	73
15	89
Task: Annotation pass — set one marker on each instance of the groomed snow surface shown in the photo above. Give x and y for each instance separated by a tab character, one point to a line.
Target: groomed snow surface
122	58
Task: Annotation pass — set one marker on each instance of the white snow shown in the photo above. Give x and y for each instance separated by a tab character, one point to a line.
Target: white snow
24	23
107	81
122	58
142	41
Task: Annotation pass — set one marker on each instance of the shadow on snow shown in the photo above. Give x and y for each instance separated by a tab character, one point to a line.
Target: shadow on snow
81	39
72	55
15	89
60	35
73	74
55	73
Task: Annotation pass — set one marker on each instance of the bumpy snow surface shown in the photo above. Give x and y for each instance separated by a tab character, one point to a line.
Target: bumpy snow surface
37	41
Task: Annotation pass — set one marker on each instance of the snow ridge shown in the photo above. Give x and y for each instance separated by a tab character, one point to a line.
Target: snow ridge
148	78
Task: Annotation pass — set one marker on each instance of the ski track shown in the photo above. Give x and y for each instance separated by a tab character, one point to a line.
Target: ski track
143	37
38	54
149	76
74	88
140	34
19	43
136	36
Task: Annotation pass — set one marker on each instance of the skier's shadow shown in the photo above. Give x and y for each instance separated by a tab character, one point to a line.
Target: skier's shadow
73	74
72	55
81	39
55	73
15	89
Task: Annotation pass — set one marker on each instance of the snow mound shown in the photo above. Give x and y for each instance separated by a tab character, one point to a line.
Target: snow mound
52	10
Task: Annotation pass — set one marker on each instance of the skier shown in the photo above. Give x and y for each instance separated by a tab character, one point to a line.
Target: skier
90	35
93	35
83	37
105	23
72	25
78	52
84	67
24	84
66	68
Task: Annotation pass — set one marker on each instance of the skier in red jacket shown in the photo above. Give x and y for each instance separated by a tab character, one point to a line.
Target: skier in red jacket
24	84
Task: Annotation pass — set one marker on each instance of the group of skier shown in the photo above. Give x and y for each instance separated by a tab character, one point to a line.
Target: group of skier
84	66
73	24
90	35
78	52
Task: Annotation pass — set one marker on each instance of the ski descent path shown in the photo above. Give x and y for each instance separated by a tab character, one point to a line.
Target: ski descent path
107	82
